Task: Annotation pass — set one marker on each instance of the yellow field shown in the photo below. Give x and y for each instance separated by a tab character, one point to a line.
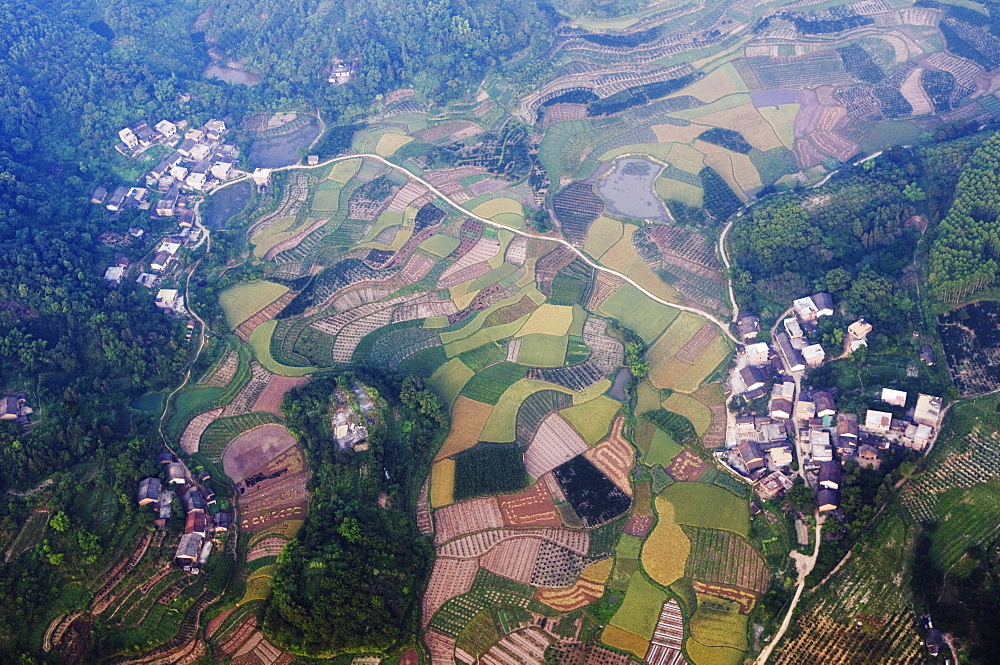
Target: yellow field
699	414
384	221
720	160
271	235
686	158
688	377
602	236
723	81
670	342
648	398
592	392
722	104
622	257
490	209
442	483
501	424
241	301
343	171
702	655
669	189
449	379
467	420
747	121
615	637
257	589
491	334
666	550
718	623
548	320
390	142
598	572
676	133
592	419
782	121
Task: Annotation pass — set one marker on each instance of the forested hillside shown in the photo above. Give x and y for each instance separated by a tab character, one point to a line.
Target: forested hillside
963	258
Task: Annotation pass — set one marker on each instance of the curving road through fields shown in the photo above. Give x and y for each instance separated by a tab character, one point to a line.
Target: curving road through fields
718	323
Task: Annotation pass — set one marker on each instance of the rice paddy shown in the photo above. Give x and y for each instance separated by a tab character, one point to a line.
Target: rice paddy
641	608
604	233
592	419
543	350
635	311
260	342
665	552
501	206
241	301
699	504
548	320
449	379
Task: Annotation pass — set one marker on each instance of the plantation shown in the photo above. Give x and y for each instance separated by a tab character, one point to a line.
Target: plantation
489	469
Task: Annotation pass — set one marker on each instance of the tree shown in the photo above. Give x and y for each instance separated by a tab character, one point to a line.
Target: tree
914	193
59	521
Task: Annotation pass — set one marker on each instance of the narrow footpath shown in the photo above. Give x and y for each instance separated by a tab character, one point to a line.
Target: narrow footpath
804	565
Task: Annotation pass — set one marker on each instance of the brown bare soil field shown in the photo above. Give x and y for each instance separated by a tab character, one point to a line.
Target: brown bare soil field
834	145
744	597
409	658
614	458
270	400
449	578
830	118
215	622
806	154
459	519
513	558
639	525
192	433
699	342
554	443
244	329
686	466
582	593
533	507
254	520
441	648
254	449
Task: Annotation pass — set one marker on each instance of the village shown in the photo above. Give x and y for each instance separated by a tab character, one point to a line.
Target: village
197	161
801	431
204	524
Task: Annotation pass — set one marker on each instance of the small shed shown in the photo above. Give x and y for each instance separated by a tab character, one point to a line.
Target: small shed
175	474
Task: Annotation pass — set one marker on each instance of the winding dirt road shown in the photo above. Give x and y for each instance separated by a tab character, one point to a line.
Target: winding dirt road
721	325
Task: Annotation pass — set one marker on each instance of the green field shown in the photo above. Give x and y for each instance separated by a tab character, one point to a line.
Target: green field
638	313
641	608
592	419
326	200
501	425
698	504
662	449
439	245
489	384
449	379
260	342
241	301
542	350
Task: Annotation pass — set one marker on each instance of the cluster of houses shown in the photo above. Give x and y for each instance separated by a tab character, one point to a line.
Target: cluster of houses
760	446
200	526
200	158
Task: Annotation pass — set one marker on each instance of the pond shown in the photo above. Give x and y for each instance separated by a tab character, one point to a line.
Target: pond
231	75
282	150
628	189
224	204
